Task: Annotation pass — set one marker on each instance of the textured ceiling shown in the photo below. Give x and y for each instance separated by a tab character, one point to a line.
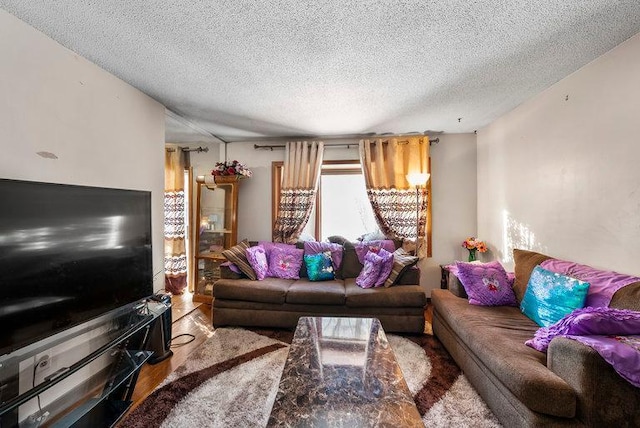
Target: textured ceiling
244	70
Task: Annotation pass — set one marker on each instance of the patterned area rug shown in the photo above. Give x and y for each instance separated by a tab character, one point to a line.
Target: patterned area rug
232	381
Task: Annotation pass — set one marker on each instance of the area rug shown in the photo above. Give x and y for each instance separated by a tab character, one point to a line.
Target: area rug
232	381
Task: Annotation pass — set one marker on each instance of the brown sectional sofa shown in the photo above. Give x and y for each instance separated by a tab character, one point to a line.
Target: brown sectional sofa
571	385
275	302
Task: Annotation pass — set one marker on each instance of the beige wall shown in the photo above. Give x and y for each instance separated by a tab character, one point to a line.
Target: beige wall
103	131
453	163
559	174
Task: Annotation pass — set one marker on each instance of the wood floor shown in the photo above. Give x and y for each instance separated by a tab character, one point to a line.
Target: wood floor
188	318
193	319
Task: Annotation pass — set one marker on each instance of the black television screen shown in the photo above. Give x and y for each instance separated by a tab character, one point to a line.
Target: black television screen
69	254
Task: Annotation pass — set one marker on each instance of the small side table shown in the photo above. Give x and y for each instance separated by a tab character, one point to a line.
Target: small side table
444	277
451	283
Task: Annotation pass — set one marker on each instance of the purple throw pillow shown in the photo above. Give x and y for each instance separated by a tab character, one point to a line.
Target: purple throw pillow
387	265
286	262
371	270
363	248
258	260
268	246
588	321
314	247
486	284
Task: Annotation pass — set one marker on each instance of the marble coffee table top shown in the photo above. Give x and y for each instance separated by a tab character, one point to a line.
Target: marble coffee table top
341	372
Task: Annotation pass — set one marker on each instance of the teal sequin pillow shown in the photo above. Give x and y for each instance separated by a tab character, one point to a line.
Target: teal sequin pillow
319	266
550	296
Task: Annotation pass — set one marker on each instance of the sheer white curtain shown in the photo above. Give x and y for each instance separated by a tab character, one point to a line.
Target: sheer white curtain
302	166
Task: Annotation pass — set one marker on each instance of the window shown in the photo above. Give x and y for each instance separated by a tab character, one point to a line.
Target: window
342	206
338	210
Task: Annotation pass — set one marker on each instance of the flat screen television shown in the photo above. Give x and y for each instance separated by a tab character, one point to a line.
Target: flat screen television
69	254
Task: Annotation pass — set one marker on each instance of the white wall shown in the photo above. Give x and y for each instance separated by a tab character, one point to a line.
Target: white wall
453	164
103	131
453	183
254	202
559	174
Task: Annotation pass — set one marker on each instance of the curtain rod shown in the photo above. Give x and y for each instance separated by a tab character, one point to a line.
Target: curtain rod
326	146
187	149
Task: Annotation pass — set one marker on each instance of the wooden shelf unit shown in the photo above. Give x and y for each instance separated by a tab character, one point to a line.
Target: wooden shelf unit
217	230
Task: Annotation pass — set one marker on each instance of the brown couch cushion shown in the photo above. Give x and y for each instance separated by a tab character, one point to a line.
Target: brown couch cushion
397	296
495	336
305	292
269	290
627	297
351	266
227	273
409	276
525	261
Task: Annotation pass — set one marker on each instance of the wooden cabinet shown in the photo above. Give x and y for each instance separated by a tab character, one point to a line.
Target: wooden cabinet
217	230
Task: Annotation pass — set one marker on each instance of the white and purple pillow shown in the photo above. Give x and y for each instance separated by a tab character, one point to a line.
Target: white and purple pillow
371	270
258	260
268	246
362	248
385	269
486	284
285	262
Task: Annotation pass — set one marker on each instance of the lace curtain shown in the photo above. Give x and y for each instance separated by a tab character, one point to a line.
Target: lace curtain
399	209
302	166
175	257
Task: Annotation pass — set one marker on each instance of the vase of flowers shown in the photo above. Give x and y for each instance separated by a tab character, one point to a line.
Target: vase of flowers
231	169
474	245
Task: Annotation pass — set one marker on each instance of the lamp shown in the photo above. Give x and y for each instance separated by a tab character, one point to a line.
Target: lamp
417	180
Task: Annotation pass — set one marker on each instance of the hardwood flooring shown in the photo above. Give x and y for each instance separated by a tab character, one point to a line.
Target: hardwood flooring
188	318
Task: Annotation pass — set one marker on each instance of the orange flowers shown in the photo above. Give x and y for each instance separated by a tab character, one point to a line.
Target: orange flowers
474	244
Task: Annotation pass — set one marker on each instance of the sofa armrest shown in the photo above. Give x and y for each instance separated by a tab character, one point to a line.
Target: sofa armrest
603	397
409	276
455	286
227	273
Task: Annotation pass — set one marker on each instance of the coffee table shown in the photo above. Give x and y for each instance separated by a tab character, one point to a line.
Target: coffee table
341	372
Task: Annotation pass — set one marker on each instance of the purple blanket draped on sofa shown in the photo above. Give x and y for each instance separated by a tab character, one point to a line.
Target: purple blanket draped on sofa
603	284
613	333
622	352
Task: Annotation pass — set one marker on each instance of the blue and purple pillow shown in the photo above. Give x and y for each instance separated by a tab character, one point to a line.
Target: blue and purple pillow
314	247
319	266
550	296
